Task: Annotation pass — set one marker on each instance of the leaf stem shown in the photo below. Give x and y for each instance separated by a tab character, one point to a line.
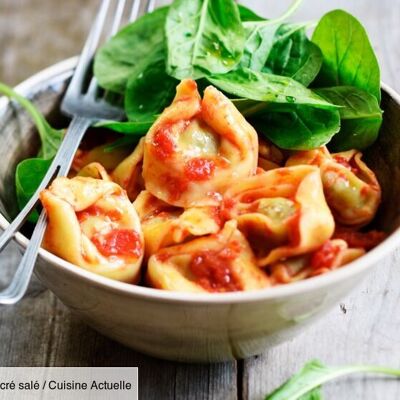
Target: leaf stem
294	6
337	372
40	123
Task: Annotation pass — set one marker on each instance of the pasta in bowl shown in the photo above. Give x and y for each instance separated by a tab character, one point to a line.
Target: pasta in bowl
197	324
192	209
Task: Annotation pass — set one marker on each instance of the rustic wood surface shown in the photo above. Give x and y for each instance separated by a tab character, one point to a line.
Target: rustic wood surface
40	331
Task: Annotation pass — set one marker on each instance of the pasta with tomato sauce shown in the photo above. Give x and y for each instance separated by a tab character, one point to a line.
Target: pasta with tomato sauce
203	204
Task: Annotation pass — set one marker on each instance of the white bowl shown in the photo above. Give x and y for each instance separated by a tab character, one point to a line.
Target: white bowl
194	327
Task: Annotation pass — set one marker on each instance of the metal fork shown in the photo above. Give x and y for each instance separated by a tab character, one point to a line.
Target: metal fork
85	107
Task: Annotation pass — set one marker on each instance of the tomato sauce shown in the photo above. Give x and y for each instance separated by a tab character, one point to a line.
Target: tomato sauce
294	229
199	169
163	144
119	242
175	185
227	208
365	240
213	270
349	164
324	256
96	211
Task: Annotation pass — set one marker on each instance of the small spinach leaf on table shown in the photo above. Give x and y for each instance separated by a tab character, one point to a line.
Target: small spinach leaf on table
305	384
361	117
294	55
270	88
203	37
149	89
349	58
115	61
298	127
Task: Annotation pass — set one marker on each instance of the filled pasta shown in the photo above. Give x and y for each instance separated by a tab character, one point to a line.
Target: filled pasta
164	225
282	212
197	148
217	263
201	204
93	224
331	255
351	188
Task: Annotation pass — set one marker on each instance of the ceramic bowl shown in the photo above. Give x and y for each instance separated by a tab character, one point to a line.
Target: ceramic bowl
192	327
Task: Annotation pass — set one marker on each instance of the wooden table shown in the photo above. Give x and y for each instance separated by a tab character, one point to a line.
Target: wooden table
40	331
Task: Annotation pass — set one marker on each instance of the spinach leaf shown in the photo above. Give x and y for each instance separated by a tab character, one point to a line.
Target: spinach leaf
261	36
266	87
361	117
50	138
203	37
294	55
299	127
128	127
314	374
248	15
122	142
28	176
30	172
115	62
348	55
315	394
149	89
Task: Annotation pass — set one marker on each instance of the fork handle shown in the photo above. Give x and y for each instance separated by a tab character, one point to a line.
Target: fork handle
60	167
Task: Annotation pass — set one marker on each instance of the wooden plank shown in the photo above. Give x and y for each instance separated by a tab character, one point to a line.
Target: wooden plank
364	327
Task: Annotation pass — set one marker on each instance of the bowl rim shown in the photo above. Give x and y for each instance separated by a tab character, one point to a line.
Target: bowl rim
61	71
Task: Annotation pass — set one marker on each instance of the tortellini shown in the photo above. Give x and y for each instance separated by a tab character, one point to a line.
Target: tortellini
331	255
128	174
93	224
351	188
164	225
269	156
282	212
202	205
223	262
108	159
197	148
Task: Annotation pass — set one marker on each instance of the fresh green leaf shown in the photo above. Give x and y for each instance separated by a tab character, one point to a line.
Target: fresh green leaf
294	55
315	394
361	117
50	138
204	37
128	128
248	15
115	62
314	374
28	176
299	127
260	38
151	90
269	88
349	58
124	141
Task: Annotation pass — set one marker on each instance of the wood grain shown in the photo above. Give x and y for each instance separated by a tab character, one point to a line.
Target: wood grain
40	331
